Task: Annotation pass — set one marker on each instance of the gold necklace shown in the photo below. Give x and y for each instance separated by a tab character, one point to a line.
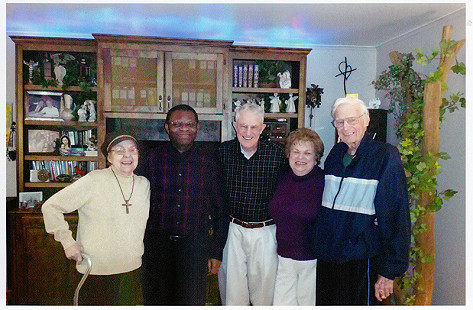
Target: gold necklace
126	204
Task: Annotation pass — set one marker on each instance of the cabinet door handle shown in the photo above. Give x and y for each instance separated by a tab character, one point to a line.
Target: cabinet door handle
160	103
169	102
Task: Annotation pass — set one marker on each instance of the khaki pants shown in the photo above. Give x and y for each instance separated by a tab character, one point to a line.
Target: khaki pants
248	270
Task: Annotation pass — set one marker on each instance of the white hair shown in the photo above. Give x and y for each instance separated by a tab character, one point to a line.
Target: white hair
351	101
252	107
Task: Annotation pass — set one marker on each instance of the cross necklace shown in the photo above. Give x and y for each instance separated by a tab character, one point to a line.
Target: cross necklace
126	204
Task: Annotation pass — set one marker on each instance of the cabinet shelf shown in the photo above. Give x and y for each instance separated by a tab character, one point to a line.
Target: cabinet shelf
280	115
193	84
58	123
46	184
265	90
59	157
55	88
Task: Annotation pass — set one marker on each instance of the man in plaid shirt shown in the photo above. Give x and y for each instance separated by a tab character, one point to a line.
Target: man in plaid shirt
250	168
186	201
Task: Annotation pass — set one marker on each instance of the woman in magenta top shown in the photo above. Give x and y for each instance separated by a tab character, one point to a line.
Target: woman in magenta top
294	207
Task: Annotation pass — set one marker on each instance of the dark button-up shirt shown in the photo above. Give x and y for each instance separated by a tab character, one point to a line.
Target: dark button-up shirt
186	195
250	183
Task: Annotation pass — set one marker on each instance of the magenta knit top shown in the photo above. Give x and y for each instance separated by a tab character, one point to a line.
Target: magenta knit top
294	207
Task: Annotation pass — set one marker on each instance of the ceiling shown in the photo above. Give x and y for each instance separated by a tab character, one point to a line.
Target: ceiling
281	24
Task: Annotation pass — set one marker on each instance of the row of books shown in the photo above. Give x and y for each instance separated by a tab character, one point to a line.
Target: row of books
68	167
245	75
79	137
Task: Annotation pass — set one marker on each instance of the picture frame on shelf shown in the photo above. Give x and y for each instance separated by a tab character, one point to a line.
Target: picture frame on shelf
29	200
42	141
43	105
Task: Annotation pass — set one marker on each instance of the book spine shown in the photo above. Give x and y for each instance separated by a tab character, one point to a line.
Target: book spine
235	75
52	172
256	76
250	75
240	75
245	75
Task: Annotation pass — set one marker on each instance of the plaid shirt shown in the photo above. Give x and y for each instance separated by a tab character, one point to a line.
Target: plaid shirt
186	197
250	183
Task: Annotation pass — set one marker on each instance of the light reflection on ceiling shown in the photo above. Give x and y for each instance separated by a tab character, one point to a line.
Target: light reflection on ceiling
281	24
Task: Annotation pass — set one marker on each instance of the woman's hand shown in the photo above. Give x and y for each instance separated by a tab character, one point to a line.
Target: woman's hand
74	252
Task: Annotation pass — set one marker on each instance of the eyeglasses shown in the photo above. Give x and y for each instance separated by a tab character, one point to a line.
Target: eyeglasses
178	124
122	151
245	127
352	121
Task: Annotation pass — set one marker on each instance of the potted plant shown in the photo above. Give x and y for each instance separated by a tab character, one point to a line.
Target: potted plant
268	71
420	107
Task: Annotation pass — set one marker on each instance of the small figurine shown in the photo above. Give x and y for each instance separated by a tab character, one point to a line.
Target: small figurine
92	145
290	105
261	102
31	65
82	113
59	60
91	108
65	145
60	73
275	102
284	79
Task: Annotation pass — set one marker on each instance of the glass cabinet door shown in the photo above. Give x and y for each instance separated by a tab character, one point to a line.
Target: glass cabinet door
194	79
135	82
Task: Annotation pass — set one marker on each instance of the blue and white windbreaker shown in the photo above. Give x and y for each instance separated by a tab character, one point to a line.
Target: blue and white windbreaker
365	209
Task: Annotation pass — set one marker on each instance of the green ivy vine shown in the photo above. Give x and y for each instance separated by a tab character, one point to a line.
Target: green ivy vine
404	88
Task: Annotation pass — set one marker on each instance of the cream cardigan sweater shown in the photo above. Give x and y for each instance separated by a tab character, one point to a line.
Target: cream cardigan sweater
112	238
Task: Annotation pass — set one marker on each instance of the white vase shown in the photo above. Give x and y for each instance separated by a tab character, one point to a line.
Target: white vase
66	113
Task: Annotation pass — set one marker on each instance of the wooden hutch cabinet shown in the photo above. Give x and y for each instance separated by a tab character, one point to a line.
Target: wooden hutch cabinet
250	62
39	271
133	79
148	74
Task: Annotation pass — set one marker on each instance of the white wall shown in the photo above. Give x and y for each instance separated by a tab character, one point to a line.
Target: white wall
449	286
322	68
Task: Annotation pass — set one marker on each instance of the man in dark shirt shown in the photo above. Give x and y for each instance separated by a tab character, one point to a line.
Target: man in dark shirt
250	168
186	202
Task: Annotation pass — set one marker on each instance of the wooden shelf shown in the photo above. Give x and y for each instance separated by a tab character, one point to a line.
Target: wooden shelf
280	115
59	157
55	88
47	184
59	123
265	90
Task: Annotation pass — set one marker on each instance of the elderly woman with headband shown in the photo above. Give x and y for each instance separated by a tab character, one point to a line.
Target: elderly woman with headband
113	207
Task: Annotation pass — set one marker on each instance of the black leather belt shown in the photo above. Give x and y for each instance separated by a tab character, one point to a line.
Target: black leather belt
252	224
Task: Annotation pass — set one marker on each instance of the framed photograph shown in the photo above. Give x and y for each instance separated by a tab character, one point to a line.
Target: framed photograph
42	141
30	199
42	105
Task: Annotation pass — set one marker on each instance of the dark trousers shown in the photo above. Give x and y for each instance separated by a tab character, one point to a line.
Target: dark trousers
122	289
174	271
350	283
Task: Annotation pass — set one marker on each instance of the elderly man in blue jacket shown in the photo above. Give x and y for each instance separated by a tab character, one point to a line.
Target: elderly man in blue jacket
362	234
